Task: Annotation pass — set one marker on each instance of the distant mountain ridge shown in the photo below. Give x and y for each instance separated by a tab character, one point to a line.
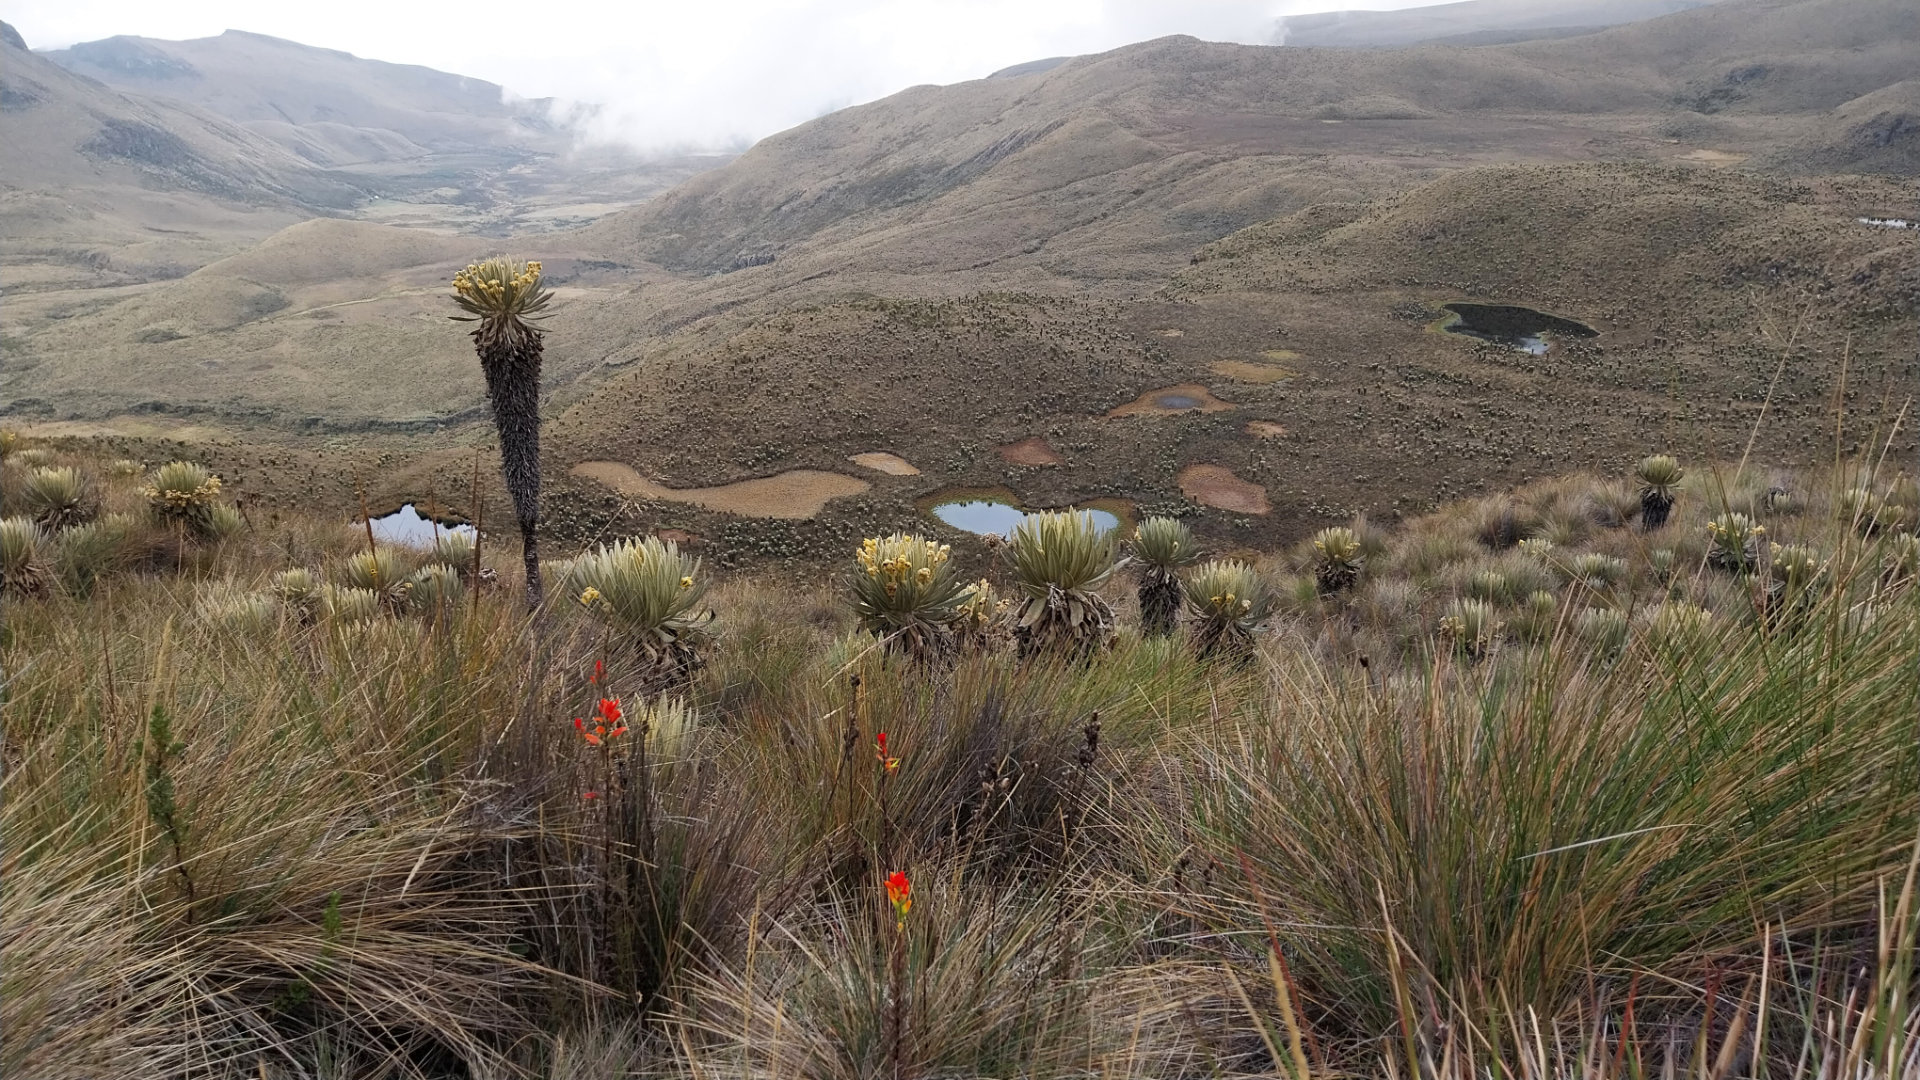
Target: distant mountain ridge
327	106
1470	22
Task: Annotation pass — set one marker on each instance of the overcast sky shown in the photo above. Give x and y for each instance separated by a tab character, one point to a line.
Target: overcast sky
701	71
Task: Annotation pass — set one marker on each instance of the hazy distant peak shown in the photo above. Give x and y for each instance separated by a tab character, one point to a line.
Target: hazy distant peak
11	36
1031	67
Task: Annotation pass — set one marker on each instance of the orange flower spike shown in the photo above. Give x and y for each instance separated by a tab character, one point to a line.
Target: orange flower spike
900	895
887	764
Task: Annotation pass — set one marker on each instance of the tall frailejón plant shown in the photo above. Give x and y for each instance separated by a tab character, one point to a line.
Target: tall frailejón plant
504	297
1059	559
1659	475
1163	546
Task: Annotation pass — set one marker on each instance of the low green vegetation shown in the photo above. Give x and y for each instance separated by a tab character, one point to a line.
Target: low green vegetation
1634	802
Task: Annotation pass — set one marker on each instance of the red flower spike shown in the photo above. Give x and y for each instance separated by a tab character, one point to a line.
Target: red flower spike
579	724
599	671
900	895
589	794
887	764
617	732
592	739
610	710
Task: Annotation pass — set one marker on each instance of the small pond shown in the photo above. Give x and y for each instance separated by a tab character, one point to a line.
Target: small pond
991	517
406	526
1510	325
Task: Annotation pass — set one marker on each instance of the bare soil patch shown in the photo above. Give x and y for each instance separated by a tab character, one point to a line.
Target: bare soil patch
1187	397
797	494
1265	429
1216	486
1033	451
882	462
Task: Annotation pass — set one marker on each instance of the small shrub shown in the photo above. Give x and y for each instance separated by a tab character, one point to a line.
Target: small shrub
1472	626
1163	547
345	605
1227	601
1900	562
379	572
435	591
1059	559
183	494
454	549
1492	586
1604	630
648	593
57	498
1860	508
224	522
1537	617
250	614
905	592
1678	628
300	590
980	623
23	556
1337	560
1733	542
1659	477
1595	571
87	553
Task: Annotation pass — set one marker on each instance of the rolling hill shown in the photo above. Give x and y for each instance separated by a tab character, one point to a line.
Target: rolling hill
1470	22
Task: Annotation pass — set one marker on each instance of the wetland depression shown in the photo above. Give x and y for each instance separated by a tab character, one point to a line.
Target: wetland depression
1516	327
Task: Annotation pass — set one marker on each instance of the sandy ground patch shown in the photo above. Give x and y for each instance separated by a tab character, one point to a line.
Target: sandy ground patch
1265	429
1170	332
1249	372
1216	486
800	493
1280	356
882	462
1719	159
1031	451
1187	397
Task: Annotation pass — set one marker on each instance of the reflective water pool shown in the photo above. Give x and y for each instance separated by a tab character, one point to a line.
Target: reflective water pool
990	517
406	526
1511	325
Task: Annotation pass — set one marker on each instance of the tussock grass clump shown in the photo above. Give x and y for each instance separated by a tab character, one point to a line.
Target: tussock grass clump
1163	547
58	497
1227	601
905	591
648	594
1059	559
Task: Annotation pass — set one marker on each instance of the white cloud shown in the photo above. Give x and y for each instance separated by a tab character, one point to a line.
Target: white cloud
676	72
